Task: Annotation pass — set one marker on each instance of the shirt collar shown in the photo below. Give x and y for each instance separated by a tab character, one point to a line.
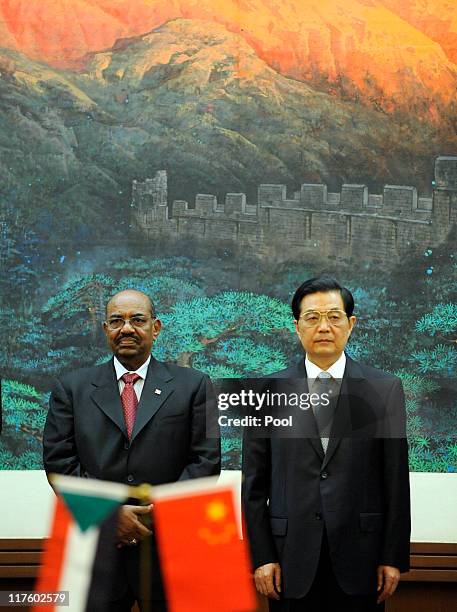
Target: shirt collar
120	370
336	370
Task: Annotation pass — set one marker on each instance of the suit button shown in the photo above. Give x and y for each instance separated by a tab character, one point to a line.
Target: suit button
126	446
318	516
130	478
324	475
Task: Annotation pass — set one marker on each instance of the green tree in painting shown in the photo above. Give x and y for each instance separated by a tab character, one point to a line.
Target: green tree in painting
230	334
164	290
433	444
66	333
432	441
166	281
24	414
78	309
436	448
440	324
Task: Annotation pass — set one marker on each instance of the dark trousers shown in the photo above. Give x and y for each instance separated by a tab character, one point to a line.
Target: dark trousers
125	605
326	595
123	576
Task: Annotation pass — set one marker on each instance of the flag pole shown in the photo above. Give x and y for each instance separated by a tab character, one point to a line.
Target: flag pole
145	553
143	494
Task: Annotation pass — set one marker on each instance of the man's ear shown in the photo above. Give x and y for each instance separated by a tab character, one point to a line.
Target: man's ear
296	327
352	322
157	326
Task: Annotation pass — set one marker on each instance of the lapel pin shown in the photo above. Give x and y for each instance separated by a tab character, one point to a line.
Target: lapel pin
157	391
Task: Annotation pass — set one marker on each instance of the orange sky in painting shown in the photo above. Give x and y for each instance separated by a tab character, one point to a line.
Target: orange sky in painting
374	44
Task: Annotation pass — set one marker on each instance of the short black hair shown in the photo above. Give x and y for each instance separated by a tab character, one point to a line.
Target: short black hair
322	284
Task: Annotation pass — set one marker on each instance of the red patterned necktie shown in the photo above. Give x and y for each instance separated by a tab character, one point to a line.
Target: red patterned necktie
129	401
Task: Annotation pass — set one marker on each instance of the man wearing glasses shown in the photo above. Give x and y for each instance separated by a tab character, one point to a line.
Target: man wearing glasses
132	420
328	512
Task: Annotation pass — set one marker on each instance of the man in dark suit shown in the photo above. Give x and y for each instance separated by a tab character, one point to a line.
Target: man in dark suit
132	420
328	514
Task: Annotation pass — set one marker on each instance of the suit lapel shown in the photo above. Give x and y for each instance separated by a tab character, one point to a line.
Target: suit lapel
158	386
340	421
106	394
342	424
309	427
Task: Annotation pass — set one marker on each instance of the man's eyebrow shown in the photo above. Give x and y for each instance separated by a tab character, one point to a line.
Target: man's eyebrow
136	314
326	310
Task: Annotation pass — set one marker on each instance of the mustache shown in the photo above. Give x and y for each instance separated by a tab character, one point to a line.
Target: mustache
125	337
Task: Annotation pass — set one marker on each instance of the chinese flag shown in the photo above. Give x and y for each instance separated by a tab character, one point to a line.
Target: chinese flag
204	562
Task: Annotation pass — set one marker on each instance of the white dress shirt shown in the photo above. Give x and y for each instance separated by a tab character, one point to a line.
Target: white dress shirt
142	371
336	371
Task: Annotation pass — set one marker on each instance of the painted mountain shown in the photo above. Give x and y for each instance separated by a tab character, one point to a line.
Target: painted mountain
224	95
389	51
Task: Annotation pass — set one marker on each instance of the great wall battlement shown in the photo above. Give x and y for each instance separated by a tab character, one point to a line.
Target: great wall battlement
345	226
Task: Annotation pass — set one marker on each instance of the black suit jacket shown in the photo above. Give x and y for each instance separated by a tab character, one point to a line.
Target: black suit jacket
85	433
359	490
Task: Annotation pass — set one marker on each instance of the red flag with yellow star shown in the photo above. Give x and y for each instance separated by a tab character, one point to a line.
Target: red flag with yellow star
205	563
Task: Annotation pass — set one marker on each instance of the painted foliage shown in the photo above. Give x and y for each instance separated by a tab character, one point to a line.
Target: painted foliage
215	154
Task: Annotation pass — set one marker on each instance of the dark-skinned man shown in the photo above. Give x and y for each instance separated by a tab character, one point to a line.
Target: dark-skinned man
131	420
328	512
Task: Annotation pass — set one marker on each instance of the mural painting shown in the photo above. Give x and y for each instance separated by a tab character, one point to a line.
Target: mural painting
215	154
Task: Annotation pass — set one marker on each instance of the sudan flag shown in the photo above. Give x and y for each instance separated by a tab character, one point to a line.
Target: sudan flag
204	561
68	557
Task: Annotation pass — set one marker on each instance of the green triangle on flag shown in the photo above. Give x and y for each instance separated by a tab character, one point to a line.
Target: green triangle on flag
89	500
88	510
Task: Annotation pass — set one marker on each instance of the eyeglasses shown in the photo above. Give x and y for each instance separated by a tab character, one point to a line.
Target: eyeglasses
137	322
312	318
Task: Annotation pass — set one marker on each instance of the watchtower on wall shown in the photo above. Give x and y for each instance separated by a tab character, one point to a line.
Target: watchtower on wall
445	195
150	200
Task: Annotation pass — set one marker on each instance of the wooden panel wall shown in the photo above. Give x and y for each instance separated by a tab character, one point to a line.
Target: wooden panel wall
430	586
